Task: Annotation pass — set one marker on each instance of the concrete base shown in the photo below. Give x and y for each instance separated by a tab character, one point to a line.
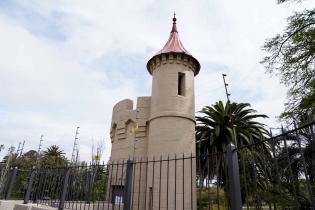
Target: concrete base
22	207
32	207
9	204
18	205
43	208
84	206
95	206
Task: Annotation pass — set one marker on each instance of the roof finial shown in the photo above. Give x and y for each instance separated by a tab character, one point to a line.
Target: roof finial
174	29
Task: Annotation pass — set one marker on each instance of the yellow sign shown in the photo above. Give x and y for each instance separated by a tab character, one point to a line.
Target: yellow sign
135	129
96	157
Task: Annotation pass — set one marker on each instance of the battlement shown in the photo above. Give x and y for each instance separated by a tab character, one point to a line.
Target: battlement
128	123
123	110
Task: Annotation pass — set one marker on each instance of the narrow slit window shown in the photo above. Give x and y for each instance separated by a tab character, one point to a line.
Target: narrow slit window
181	84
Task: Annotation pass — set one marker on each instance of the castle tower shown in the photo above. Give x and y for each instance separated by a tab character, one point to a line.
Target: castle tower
172	117
172	127
154	131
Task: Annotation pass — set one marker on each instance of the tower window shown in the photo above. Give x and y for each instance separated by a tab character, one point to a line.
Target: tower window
181	84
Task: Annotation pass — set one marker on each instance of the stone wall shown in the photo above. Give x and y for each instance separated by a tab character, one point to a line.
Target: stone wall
125	142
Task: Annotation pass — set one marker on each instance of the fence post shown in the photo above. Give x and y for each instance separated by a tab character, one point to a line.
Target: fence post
29	186
64	189
128	185
234	178
10	183
89	183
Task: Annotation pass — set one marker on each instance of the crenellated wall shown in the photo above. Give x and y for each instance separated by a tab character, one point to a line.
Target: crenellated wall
125	118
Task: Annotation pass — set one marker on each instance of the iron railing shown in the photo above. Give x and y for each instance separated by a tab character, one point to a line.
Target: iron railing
279	172
276	173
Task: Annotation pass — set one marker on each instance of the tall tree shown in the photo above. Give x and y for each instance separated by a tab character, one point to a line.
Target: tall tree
53	156
54	151
291	56
220	124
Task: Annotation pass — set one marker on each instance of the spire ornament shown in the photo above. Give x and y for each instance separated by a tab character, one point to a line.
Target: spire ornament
174	28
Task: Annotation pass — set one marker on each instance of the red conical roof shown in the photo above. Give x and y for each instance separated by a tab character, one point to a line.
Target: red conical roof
173	43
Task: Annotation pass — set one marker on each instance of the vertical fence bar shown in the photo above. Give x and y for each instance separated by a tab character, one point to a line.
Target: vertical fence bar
175	180
29	186
121	179
116	183
133	182
308	184
191	183
34	187
245	181
106	168
89	183
49	187
11	183
128	185
152	191
109	199
183	181
139	186
277	173
167	180
290	168
64	189
82	185
267	184
208	180
257	196
218	186
312	143
234	178
160	182
198	162
146	183
42	175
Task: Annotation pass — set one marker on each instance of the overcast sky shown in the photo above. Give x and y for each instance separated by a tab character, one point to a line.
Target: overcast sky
65	63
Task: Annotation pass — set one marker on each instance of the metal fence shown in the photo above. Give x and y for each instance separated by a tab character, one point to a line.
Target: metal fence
277	173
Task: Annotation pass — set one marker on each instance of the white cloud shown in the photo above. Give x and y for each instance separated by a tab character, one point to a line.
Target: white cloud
52	55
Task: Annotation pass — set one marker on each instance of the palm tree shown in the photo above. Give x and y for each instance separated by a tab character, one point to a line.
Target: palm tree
54	156
217	126
53	150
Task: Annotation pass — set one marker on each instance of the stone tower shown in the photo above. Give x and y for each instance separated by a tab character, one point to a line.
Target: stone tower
172	116
166	120
165	131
